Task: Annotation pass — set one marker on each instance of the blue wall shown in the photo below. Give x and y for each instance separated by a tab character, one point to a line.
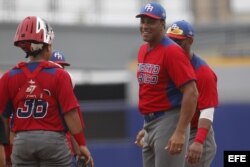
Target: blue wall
231	125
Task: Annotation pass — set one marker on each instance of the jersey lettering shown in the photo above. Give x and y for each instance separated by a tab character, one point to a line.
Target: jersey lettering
148	73
33	107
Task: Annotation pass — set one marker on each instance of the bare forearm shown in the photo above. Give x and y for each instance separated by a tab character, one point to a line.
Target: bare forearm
7	127
188	106
2	156
204	123
73	122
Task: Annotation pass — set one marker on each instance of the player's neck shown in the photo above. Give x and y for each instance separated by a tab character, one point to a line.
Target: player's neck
152	44
43	56
36	59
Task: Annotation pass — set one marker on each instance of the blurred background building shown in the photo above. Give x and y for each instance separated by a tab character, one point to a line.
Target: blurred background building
100	39
109	12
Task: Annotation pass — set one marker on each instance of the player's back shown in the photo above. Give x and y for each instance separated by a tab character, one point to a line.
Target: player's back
35	99
206	85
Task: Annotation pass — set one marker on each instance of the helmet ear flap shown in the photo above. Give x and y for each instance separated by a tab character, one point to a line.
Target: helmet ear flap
31	48
25	46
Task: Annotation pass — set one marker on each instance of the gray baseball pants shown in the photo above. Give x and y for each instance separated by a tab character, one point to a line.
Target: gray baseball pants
158	132
40	149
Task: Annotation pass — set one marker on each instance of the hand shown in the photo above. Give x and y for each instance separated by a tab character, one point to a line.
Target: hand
86	153
194	153
175	143
140	138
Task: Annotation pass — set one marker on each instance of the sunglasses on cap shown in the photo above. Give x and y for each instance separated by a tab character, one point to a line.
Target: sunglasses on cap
175	31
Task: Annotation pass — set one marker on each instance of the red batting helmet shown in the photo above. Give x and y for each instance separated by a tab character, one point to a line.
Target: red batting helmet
32	33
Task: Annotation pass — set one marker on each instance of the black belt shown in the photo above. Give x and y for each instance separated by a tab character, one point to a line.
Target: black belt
151	116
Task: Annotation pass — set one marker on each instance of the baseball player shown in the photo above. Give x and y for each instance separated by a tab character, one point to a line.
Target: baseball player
167	92
59	58
9	141
36	91
8	146
3	141
202	146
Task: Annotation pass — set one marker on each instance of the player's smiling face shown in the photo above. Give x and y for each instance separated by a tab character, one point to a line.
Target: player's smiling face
151	29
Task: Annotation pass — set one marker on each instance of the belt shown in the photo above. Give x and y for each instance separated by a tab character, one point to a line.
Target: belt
151	116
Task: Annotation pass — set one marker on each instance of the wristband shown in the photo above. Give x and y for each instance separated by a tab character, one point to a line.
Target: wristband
201	135
80	139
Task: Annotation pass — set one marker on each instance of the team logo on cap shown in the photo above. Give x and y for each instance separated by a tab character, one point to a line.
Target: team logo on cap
149	7
174	29
58	56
